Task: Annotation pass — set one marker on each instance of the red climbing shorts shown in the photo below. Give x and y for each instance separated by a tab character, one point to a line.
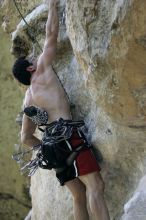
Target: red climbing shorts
84	163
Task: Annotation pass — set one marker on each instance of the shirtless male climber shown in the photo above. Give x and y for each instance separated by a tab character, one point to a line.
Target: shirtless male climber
45	91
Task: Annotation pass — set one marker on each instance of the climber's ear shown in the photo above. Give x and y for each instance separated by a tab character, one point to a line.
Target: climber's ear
30	68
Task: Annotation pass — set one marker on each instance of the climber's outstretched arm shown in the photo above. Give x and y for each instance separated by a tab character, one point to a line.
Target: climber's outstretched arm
52	27
52	24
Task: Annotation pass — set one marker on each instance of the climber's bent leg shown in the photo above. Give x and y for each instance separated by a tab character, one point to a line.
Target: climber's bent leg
78	191
95	194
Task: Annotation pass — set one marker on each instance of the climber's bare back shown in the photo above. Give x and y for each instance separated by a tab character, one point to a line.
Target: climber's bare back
47	92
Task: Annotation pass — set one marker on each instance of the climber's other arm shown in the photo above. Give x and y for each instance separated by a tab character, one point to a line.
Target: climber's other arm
27	132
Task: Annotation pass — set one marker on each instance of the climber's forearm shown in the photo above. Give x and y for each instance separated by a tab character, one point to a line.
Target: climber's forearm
52	24
29	140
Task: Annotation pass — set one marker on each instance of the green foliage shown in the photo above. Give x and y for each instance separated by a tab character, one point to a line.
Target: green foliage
12	183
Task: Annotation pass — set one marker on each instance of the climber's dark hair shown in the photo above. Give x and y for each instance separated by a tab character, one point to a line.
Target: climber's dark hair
20	72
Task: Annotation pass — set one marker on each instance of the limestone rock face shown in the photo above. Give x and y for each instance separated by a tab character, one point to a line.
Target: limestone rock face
101	63
135	208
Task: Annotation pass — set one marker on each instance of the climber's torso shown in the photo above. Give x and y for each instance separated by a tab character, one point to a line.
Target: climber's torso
47	92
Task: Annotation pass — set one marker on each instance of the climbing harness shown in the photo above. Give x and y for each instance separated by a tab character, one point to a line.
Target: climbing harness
60	130
55	149
52	153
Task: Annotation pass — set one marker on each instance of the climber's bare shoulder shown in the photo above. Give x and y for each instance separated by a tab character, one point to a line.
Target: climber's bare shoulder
43	64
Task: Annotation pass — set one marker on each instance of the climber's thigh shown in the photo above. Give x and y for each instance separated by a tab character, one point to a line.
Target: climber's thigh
77	188
93	182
